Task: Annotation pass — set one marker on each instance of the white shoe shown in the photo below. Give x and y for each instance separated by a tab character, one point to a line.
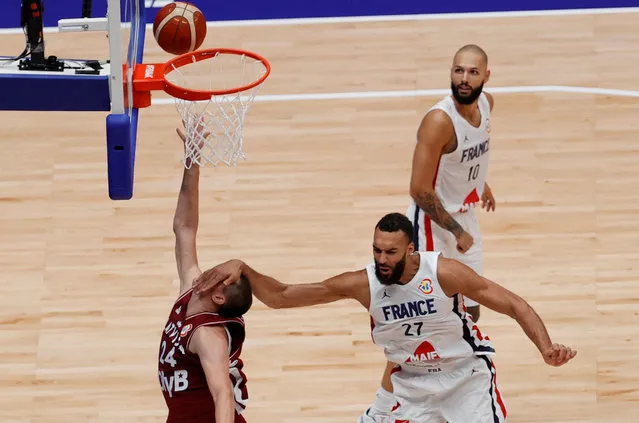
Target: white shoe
377	418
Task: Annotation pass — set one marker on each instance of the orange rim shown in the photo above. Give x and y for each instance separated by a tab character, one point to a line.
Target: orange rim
199	55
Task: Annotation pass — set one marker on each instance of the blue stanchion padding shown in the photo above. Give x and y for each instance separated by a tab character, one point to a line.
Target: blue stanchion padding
120	156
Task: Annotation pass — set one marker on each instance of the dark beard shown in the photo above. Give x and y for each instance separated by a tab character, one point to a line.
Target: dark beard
468	99
393	278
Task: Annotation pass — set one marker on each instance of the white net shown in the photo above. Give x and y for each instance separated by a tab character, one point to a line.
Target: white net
214	127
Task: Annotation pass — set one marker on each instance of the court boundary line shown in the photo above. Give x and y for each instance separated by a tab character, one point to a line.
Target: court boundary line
387	18
358	95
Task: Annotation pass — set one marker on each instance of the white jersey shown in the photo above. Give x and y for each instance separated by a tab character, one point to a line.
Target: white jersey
420	327
461	175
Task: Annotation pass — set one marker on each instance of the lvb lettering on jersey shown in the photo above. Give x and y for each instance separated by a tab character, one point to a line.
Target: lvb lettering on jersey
178	380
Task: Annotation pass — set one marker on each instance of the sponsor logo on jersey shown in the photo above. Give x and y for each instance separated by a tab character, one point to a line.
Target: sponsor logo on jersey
424	353
470	201
185	330
426	286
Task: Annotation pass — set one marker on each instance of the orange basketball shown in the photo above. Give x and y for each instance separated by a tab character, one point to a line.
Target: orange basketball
179	28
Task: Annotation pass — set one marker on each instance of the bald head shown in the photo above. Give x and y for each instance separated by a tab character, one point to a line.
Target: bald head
469	73
473	49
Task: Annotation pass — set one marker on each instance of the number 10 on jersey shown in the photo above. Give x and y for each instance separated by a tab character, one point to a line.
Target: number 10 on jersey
473	172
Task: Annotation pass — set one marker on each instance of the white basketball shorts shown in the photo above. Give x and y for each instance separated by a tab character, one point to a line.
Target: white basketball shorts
467	393
431	237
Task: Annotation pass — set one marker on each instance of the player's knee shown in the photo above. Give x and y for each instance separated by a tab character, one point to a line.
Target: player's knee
474	312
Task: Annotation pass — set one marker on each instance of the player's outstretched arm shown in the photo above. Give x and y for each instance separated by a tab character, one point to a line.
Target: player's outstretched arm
211	345
185	224
434	133
455	277
276	294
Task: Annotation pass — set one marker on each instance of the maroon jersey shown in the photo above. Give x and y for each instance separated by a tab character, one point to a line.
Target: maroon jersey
182	378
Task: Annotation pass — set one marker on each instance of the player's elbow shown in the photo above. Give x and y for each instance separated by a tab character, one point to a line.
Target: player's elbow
183	227
185	222
223	397
222	392
274	303
419	192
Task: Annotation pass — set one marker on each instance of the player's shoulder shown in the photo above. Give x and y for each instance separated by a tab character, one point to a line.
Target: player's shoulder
206	335
436	126
450	268
437	116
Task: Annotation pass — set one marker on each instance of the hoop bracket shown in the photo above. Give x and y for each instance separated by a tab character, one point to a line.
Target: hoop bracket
147	77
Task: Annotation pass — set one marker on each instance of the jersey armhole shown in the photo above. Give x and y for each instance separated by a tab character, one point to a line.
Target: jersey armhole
371	289
483	98
228	338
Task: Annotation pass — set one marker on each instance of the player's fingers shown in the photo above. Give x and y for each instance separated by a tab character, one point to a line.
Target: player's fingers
552	353
561	355
181	134
213	279
228	281
570	353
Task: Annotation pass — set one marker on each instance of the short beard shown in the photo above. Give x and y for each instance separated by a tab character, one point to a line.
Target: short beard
468	99
393	278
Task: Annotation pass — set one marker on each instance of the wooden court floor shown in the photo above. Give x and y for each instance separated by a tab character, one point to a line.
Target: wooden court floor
86	283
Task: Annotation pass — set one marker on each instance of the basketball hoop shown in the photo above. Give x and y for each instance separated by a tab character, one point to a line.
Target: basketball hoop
211	100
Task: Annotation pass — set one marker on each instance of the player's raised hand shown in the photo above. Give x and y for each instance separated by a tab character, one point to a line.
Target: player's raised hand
558	355
225	273
193	139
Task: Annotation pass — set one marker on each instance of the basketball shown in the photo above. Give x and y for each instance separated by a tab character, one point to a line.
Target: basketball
179	28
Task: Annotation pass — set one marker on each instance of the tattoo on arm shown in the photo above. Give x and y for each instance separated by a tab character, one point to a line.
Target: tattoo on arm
435	210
